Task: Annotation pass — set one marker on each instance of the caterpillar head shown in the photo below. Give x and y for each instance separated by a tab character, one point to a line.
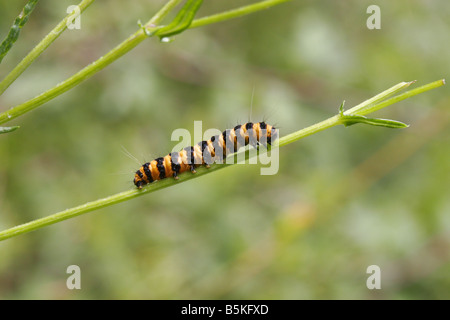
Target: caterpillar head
138	180
272	132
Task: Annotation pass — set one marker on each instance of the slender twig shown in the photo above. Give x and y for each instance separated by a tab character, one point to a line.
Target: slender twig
363	108
127	195
235	13
88	71
127	45
37	50
366	109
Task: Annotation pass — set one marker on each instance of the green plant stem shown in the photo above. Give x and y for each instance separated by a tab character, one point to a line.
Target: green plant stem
369	108
122	49
371	105
235	13
101	203
315	128
127	195
37	50
379	97
88	71
161	14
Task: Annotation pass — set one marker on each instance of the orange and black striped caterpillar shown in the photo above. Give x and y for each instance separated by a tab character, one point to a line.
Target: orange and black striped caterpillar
205	152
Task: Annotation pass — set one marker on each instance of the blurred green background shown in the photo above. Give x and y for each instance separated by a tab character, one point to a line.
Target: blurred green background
343	199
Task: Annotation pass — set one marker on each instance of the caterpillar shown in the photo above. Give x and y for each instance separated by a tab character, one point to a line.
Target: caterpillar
205	152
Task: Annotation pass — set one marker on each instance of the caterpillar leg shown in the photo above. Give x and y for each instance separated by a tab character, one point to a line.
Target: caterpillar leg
139	184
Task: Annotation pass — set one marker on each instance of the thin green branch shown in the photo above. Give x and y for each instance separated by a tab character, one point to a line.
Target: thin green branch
122	49
41	46
88	71
363	108
127	195
378	98
315	128
163	12
366	109
235	13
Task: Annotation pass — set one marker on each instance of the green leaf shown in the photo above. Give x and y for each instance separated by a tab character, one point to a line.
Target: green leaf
13	34
341	108
8	129
182	20
349	120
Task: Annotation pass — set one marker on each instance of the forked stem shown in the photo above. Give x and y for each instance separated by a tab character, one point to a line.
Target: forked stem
123	48
133	193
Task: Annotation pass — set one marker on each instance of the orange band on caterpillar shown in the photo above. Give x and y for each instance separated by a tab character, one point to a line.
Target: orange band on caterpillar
205	152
